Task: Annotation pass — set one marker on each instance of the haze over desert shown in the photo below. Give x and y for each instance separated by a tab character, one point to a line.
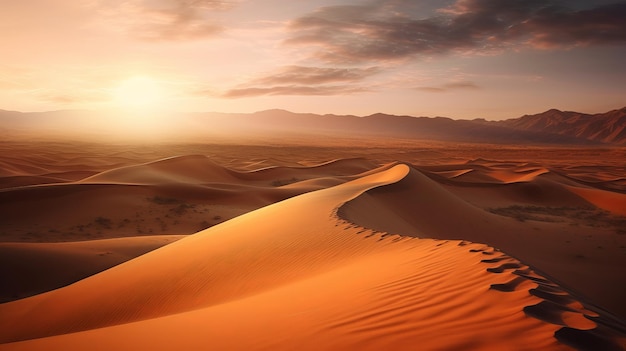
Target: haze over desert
313	175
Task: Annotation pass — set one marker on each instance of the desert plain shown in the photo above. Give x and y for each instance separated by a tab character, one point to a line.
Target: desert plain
380	244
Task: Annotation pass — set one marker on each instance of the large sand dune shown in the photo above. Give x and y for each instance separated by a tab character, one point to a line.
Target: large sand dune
295	275
308	254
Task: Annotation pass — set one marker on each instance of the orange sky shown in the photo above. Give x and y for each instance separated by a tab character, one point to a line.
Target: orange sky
464	59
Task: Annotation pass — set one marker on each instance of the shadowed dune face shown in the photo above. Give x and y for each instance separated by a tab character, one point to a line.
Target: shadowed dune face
28	269
357	253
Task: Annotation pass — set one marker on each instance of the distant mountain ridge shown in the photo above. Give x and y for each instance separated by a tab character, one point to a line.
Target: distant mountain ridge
549	127
608	127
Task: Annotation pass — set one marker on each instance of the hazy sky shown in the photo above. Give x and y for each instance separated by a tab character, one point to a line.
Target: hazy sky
464	59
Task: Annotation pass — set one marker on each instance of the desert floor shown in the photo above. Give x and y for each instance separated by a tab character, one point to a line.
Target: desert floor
387	245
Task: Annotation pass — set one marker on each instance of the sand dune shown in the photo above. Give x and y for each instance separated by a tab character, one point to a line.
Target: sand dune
178	195
199	169
610	201
193	169
542	222
258	245
286	264
293	252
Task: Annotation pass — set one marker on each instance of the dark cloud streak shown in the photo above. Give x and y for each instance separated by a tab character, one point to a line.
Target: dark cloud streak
450	87
382	31
304	80
316	75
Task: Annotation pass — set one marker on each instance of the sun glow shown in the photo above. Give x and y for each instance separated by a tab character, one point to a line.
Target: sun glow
140	107
140	93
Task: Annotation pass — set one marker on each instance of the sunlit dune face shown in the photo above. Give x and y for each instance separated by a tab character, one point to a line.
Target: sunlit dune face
139	92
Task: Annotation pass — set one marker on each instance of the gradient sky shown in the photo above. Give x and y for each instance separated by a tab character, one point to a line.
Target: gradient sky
492	59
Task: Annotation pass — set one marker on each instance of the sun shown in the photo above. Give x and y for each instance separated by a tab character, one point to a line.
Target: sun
140	106
139	93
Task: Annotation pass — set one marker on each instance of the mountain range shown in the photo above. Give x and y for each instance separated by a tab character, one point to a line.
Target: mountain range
608	127
549	127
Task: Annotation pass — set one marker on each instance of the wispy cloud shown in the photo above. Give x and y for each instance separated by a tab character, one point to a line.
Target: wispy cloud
59	99
450	87
304	80
294	90
316	75
167	19
385	31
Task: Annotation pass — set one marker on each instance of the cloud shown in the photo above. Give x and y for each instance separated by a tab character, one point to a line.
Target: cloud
597	26
449	87
167	19
304	80
60	99
387	30
294	90
316	75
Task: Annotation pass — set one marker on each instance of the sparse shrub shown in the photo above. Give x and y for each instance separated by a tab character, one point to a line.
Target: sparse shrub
181	209
589	216
160	200
103	222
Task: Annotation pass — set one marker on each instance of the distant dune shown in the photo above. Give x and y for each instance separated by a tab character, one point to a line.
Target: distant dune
288	251
552	127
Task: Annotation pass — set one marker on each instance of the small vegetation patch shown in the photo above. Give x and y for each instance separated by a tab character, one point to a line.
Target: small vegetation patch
590	216
181	209
103	222
161	200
